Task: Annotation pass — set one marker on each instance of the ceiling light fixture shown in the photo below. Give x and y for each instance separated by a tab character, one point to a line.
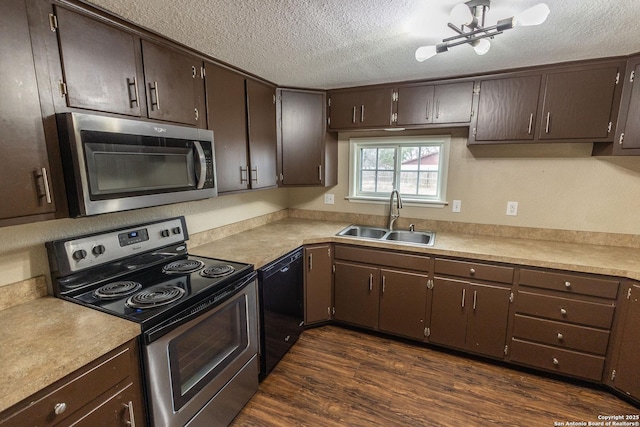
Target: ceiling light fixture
472	30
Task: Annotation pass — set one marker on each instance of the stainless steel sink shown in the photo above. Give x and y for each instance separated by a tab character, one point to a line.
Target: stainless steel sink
424	238
363	231
420	237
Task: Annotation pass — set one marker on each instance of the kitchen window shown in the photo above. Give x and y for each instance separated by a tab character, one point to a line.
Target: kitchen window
415	166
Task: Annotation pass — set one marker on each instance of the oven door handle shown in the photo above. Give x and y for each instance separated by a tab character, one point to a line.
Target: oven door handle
201	169
198	308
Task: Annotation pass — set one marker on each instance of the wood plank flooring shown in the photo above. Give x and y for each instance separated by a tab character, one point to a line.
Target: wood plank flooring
340	377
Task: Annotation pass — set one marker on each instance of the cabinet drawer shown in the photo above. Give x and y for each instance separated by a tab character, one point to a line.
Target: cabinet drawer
565	309
382	258
474	270
561	334
570	283
76	392
554	359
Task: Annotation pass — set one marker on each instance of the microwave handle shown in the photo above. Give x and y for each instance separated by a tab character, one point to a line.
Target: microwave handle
202	162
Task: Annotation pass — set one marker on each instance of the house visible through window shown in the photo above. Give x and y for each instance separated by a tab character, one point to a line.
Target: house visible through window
415	166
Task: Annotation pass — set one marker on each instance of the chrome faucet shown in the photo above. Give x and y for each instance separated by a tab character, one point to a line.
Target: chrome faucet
394	215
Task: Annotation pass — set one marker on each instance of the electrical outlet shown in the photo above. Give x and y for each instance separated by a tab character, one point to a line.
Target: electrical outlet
512	208
328	199
456	205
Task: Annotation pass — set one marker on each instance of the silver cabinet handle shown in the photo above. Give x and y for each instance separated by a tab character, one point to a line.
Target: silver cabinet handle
437	109
563	311
135	100
243	174
362	113
254	174
320	173
370	282
475	299
530	124
310	262
567	285
556	362
132	417
197	113
464	294
59	408
560	336
154	88
428	111
353	120
384	283
472	271
193	71
546	128
47	190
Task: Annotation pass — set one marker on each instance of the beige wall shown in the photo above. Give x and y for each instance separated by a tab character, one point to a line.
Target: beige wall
558	186
23	254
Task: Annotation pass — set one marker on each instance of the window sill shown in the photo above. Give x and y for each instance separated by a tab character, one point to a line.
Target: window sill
405	201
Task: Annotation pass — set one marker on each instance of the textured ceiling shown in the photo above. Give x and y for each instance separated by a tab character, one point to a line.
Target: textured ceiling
337	43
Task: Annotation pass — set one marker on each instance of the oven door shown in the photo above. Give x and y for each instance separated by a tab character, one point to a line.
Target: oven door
205	370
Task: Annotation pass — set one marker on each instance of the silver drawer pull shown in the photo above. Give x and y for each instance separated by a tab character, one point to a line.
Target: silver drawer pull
556	362
370	282
472	271
567	285
132	417
60	408
563	311
560	336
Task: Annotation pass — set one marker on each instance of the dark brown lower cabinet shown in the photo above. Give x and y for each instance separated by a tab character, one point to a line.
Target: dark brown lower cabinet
470	316
625	375
106	392
403	301
318	284
357	294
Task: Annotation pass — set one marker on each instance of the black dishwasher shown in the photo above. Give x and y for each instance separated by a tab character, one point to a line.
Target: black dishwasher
280	285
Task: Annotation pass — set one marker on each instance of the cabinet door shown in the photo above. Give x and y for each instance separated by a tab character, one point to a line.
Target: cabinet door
632	119
24	186
318	284
415	105
452	103
261	109
487	319
627	378
448	313
363	109
302	137
507	109
172	79
403	303
578	104
357	294
227	118
99	64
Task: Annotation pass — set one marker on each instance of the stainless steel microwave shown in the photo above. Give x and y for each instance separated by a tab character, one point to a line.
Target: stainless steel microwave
112	164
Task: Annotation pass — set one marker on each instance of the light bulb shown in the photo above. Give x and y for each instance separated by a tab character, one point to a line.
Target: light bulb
425	52
481	46
461	14
535	15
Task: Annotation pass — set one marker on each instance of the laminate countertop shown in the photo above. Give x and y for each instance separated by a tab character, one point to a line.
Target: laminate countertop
46	339
261	245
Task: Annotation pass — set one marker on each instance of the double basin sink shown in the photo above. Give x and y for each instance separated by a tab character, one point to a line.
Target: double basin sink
425	238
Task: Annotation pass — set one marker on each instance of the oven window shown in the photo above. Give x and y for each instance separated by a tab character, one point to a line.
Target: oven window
206	349
133	170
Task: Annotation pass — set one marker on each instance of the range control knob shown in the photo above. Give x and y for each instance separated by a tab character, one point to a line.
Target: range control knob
80	254
98	250
176	230
165	233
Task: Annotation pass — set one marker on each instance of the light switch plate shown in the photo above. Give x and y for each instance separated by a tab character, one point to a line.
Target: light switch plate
328	199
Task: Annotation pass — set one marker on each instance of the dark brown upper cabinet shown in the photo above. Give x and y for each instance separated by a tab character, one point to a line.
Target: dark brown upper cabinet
174	84
241	113
101	66
25	175
307	153
627	138
507	109
360	109
579	104
433	104
625	375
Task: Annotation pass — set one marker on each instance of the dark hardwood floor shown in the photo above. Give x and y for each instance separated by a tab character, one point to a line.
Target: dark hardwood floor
339	377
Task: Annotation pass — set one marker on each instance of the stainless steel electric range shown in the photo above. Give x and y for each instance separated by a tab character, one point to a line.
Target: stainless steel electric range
198	315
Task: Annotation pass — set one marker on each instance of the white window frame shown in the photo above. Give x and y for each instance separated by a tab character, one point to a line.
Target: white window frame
355	144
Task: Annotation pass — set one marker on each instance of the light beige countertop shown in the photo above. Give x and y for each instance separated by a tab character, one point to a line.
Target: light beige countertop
261	245
46	339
